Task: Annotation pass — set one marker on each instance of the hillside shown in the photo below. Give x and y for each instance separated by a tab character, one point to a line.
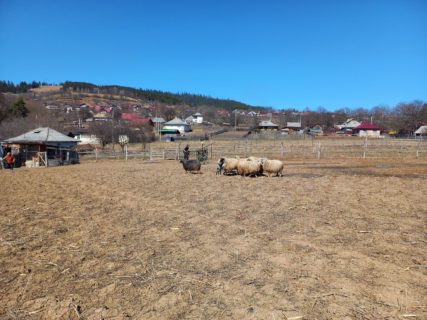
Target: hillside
145	102
72	104
193	100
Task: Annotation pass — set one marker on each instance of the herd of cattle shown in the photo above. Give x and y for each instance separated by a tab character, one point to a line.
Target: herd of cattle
251	166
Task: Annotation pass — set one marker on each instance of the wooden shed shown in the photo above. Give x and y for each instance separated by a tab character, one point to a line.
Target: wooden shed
44	147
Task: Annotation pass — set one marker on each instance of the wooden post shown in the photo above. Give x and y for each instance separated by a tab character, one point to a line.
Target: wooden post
365	147
282	149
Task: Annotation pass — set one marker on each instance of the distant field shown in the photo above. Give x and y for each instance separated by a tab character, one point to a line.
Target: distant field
43	89
332	239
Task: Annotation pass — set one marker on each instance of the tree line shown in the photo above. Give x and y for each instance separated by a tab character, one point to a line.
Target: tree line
21	87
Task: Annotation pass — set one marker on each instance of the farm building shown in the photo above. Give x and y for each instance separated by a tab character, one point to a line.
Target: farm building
177	124
267	126
158	121
366	129
195	118
349	124
83	137
44	147
421	131
134	119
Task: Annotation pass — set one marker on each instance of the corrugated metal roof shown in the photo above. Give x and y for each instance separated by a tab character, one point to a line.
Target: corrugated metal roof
41	135
421	130
267	123
176	121
365	125
159	120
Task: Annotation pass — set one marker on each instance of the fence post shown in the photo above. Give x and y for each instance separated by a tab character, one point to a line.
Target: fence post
282	149
418	147
150	151
126	152
365	147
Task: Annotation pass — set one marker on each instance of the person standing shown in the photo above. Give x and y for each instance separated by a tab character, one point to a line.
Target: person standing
186	152
9	161
1	156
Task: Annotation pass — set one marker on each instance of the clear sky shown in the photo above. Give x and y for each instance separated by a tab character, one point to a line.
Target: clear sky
282	54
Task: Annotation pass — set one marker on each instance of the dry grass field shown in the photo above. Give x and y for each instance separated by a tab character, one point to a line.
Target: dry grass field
332	239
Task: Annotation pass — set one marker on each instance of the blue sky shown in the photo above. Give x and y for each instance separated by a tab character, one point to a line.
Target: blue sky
270	53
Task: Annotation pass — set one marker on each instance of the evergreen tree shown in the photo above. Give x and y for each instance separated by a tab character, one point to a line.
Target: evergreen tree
19	109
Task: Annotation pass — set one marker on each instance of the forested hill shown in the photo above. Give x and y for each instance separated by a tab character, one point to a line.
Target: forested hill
197	100
192	100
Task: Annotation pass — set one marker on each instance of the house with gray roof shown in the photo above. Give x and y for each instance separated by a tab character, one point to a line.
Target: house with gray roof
268	125
177	124
43	147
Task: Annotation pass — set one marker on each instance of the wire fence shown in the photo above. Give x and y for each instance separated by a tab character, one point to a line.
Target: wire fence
285	149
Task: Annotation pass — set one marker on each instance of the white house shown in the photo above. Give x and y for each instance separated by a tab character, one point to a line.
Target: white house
349	124
85	138
421	131
195	118
177	124
366	129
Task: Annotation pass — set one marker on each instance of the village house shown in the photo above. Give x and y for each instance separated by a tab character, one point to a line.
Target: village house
267	125
134	119
367	129
102	116
83	137
421	131
196	118
177	124
347	126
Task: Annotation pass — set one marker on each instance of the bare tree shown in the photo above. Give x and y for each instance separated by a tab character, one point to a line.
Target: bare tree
410	115
102	130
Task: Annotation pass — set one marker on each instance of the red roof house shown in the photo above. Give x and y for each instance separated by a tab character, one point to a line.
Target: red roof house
367	129
133	118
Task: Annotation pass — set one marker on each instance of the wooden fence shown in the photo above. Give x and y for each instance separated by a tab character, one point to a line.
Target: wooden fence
281	149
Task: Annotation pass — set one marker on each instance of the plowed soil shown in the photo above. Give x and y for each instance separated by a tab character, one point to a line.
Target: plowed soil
145	240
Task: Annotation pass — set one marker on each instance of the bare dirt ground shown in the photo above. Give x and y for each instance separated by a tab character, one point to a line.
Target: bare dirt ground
143	240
